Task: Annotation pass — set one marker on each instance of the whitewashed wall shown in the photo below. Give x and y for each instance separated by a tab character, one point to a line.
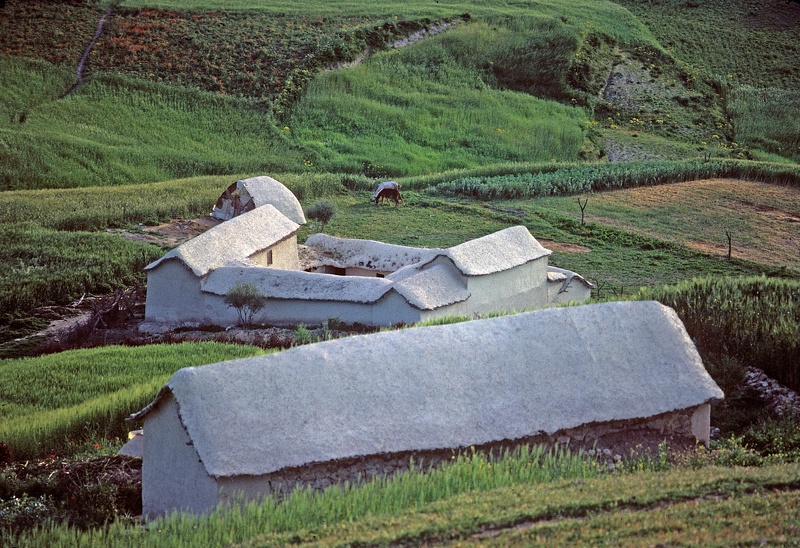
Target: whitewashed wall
173	478
173	294
284	255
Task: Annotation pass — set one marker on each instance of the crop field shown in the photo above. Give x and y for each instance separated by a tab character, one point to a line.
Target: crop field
764	219
48	403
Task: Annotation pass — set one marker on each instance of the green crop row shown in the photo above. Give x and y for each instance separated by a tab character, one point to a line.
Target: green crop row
50	403
127	206
753	320
598	177
43	266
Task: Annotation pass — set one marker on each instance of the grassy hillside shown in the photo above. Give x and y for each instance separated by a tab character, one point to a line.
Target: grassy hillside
49	403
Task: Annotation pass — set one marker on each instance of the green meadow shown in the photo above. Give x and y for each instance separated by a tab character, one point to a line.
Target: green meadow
49	403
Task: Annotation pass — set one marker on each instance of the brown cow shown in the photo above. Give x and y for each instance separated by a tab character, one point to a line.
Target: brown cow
389	194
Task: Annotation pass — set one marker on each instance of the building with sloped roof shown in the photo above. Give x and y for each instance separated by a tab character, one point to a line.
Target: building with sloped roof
248	194
361	404
356	281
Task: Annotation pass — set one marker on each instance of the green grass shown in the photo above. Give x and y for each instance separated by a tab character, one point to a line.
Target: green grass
49	401
766	119
432	107
521	502
605	16
741	41
114	131
42	266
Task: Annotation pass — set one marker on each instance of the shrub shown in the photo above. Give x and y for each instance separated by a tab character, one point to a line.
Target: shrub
321	212
247	300
302	335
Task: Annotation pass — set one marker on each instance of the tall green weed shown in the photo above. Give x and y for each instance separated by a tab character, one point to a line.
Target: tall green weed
756	321
766	119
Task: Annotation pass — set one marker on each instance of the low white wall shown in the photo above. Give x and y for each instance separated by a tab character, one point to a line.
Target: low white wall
575	292
519	288
389	310
173	478
173	294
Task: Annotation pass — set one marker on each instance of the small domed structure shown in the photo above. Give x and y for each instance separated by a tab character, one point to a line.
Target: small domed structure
248	194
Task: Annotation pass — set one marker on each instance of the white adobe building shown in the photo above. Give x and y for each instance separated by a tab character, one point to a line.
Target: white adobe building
356	281
355	407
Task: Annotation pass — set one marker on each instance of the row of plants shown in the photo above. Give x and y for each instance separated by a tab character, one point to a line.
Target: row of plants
51	402
43	266
753	320
598	177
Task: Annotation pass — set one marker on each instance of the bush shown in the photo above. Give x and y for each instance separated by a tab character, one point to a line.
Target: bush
321	212
247	300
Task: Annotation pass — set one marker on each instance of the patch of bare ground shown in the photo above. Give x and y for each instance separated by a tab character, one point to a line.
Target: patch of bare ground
169	234
764	219
564	247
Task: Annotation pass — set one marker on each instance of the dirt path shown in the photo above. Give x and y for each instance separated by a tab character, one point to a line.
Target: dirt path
401	43
87	51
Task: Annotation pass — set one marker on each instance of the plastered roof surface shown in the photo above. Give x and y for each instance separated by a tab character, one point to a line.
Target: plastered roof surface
369	254
496	252
295	284
266	190
440	387
555	274
431	288
233	240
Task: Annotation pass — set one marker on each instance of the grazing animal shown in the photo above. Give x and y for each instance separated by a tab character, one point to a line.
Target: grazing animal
389	194
384	186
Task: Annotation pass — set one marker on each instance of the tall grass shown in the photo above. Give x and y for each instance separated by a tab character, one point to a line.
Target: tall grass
98	208
306	511
753	320
766	119
42	266
430	107
598	177
738	41
115	130
47	401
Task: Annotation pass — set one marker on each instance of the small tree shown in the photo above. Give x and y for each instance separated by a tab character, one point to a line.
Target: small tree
582	205
321	212
247	300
